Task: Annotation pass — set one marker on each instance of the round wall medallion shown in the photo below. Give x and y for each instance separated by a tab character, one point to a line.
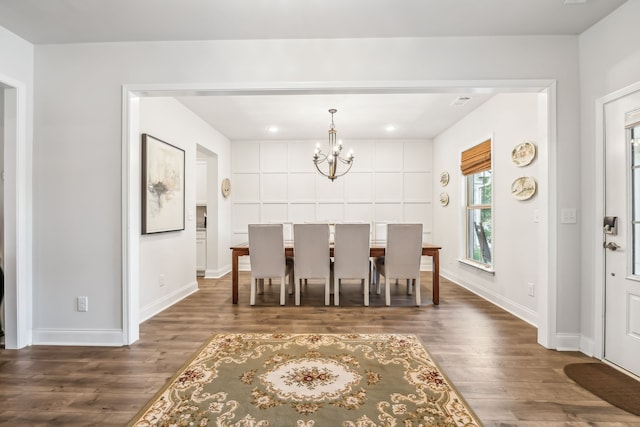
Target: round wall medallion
523	154
444	199
226	187
444	179
523	188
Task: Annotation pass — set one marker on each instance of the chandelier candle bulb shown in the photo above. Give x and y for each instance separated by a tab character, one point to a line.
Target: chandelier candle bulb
333	155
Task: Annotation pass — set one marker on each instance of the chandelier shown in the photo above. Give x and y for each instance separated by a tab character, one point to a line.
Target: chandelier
332	157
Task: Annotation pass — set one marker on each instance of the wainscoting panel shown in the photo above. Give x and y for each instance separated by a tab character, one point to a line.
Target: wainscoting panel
275	181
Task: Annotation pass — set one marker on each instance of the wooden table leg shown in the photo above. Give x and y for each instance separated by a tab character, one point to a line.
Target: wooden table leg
234	275
436	278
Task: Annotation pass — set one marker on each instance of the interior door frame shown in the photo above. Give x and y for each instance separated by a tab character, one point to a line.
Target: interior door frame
599	256
18	246
131	93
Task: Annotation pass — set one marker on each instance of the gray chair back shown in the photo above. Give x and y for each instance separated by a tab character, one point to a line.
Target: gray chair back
266	250
404	251
311	256
351	257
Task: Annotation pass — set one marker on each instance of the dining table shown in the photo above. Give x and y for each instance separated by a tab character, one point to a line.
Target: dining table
376	249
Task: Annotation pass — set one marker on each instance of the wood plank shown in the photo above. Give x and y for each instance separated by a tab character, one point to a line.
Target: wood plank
491	356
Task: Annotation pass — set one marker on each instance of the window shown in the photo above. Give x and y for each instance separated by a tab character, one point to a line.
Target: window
633	136
476	166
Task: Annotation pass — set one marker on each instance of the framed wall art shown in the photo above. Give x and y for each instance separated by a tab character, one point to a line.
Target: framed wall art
163	191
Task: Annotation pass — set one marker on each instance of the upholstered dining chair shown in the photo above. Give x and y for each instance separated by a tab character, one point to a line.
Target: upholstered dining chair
266	252
351	258
311	256
402	258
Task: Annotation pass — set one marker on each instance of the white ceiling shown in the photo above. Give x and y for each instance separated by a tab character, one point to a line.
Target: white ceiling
305	116
363	116
71	21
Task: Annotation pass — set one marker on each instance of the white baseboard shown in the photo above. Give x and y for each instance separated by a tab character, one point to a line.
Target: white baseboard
516	309
587	346
107	337
167	301
216	274
72	337
568	342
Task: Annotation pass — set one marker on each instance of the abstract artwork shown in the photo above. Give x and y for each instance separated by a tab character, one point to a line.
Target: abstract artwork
162	186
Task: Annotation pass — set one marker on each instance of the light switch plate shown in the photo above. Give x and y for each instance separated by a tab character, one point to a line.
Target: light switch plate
568	216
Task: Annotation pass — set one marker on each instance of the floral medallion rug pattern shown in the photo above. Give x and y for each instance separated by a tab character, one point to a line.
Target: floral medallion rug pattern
309	380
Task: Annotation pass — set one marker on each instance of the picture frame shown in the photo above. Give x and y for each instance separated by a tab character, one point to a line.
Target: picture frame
163	186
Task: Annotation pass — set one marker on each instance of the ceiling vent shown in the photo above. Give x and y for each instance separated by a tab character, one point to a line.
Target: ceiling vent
461	100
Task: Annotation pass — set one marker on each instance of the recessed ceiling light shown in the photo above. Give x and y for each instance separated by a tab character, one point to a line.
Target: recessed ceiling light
272	129
390	128
575	1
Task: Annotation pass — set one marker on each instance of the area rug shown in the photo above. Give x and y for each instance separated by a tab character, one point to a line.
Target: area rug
309	380
607	383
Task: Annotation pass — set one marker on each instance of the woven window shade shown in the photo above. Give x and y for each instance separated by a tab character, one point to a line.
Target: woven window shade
476	159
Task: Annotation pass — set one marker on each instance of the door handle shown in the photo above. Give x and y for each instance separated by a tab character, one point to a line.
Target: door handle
611	246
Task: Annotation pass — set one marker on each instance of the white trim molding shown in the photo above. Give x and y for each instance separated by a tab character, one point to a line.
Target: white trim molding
18	244
130	180
517	310
150	310
81	337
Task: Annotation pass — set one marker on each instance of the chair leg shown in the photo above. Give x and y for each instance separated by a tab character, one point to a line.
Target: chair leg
282	290
297	290
409	286
252	297
336	291
387	291
261	286
366	291
327	291
418	300
378	281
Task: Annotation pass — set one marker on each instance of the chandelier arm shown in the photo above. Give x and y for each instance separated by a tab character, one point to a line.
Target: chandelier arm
344	172
346	161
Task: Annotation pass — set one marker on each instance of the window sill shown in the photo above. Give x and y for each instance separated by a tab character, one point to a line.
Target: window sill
482	267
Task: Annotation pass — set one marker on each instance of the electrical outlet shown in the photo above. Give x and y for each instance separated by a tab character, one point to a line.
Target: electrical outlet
532	289
161	280
83	303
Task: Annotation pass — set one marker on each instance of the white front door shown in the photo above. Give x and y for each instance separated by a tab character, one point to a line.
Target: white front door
622	242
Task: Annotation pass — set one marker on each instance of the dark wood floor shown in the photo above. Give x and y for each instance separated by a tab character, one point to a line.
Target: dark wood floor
490	356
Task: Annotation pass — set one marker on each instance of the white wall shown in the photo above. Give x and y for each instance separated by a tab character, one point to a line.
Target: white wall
609	61
16	79
78	105
509	119
276	181
173	255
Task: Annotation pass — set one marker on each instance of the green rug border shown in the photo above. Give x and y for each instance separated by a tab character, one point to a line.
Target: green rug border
184	366
168	383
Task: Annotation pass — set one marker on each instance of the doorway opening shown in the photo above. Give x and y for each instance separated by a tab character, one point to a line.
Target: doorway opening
15	224
548	232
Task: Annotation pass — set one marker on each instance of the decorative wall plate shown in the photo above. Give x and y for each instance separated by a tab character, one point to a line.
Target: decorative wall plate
523	188
444	179
225	187
444	199
523	154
